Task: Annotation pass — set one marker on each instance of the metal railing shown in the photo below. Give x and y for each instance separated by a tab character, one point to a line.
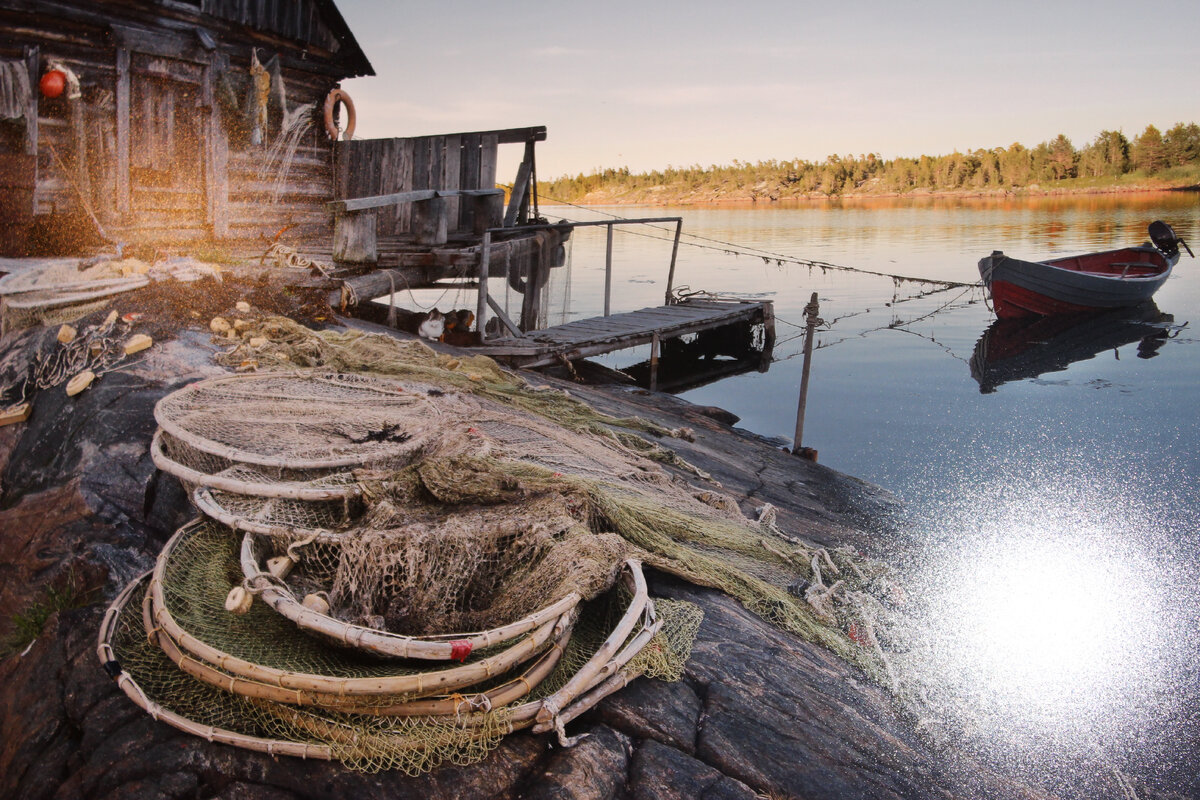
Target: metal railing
485	302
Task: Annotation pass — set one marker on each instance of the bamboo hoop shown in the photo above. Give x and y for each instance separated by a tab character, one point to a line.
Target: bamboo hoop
209	505
176	409
339	734
587	693
599	662
413	685
381	705
439	647
160	713
295	490
586	702
497	697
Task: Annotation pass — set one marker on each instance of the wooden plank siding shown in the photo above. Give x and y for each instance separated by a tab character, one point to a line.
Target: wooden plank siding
372	167
147	150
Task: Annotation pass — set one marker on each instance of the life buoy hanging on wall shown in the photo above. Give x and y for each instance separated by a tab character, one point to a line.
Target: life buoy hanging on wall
331	101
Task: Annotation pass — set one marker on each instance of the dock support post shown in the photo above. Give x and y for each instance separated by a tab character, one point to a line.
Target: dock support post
654	345
481	305
608	272
810	313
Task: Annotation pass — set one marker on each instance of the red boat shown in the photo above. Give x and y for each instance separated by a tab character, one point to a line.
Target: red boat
1090	282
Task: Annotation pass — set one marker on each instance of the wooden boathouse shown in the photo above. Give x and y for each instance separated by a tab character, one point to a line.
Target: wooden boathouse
155	127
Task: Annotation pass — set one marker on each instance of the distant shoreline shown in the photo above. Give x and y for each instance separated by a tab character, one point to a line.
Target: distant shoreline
664	196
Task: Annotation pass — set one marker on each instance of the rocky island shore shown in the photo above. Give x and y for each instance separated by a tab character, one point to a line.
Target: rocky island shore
758	713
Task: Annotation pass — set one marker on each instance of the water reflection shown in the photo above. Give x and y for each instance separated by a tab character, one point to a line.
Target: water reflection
704	358
1052	532
1017	349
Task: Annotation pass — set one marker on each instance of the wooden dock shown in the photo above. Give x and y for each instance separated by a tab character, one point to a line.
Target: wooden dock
597	335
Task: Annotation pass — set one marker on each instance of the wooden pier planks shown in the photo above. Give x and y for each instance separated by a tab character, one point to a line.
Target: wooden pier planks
598	335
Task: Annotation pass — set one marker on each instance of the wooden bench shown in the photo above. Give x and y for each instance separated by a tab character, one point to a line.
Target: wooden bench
355	224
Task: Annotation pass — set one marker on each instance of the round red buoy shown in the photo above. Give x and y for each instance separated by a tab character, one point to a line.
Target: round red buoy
53	83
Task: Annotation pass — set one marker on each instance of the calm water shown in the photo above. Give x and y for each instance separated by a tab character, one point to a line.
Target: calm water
1052	535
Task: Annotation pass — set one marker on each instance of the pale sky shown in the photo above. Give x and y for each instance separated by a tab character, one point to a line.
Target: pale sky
646	84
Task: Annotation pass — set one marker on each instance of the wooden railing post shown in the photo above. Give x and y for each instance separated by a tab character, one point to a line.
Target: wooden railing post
481	305
674	255
608	272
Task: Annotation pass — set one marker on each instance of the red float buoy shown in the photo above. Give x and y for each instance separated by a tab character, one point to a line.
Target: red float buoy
53	83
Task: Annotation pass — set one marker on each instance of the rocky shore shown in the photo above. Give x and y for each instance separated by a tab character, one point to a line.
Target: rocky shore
759	713
765	192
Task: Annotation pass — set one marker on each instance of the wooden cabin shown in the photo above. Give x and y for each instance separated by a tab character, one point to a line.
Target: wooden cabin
175	124
182	120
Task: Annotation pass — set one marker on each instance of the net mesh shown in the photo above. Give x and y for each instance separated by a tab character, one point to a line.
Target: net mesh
515	442
325	420
197	468
368	742
202	567
472	500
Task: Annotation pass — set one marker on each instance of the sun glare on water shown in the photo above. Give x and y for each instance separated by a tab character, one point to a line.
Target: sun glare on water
1047	623
1047	631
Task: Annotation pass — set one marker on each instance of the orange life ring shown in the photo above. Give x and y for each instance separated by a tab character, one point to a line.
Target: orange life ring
331	101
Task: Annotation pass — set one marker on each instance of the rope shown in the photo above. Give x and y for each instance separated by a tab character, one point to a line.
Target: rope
766	255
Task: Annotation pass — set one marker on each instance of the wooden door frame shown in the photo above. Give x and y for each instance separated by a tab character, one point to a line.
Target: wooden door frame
213	148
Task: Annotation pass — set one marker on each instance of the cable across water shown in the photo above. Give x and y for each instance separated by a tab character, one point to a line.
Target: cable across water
769	255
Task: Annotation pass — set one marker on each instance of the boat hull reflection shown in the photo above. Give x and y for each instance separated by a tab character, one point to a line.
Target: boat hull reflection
1026	347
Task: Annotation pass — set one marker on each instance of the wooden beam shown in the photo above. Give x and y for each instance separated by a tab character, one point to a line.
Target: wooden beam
355	238
430	223
451	176
379	201
519	191
504	318
377	283
123	121
158	43
31	110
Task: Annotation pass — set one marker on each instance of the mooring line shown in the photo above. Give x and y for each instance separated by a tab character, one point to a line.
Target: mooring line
767	256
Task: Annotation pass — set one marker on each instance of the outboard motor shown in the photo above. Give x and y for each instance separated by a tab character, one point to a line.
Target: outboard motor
1164	238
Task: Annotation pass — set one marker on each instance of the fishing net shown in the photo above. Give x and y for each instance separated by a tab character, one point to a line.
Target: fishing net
283	519
195	468
289	345
517	442
407	555
411	742
324	420
188	592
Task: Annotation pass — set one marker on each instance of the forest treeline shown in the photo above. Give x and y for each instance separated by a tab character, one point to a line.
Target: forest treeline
1111	159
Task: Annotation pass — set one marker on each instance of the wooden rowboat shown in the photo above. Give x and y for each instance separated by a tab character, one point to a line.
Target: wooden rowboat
1089	282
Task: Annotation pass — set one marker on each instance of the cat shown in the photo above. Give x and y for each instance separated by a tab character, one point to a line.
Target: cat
433	326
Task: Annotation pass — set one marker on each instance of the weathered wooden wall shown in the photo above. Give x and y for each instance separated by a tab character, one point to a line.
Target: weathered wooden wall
370	167
153	148
385	166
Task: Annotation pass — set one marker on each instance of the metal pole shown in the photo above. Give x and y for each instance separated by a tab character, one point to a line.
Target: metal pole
810	313
481	305
608	272
674	253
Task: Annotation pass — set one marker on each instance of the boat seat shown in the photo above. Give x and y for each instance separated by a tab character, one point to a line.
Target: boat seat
1127	265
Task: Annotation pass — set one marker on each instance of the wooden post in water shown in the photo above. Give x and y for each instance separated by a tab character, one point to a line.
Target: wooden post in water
654	345
608	273
810	314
